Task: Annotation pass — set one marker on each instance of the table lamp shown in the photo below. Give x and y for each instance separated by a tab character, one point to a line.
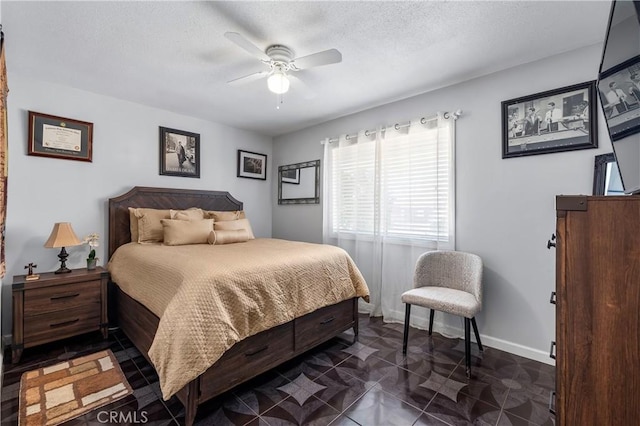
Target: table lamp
63	236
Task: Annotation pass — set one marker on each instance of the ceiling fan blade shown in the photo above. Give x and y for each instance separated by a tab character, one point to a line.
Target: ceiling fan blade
300	86
248	78
251	48
325	57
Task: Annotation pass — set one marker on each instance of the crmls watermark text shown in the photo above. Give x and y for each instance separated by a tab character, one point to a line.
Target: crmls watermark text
119	417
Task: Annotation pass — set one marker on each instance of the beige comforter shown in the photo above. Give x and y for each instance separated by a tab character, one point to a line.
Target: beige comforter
210	297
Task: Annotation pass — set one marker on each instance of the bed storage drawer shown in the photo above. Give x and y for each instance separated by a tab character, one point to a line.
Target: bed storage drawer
321	325
250	357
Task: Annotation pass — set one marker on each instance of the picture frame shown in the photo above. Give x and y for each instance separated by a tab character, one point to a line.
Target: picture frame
291	176
179	153
252	165
556	120
619	90
60	137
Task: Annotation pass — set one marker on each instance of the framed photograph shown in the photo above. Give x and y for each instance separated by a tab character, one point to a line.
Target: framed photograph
619	89
553	121
179	153
606	176
291	176
252	165
59	137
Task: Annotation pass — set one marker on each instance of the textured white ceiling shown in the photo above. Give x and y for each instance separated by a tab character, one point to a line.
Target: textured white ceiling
174	56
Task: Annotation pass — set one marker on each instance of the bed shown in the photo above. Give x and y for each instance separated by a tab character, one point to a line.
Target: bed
248	357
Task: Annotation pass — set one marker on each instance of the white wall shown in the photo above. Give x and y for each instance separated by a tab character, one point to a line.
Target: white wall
43	191
505	208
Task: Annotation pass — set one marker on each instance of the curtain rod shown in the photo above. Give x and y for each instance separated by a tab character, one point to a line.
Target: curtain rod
398	126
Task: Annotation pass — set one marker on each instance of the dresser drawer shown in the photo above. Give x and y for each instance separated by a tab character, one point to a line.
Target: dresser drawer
250	357
322	324
62	297
59	325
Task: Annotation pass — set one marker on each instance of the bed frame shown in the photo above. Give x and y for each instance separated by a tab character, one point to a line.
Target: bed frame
247	358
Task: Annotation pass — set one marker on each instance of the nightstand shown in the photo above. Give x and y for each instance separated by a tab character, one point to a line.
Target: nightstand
58	306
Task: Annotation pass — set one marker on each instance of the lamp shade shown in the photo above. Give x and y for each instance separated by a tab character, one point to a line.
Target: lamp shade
278	82
62	235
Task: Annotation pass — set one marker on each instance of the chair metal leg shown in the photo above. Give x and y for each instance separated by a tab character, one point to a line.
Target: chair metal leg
407	313
467	345
431	320
475	330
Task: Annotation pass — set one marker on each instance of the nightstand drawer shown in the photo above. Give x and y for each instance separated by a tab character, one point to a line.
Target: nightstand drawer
62	297
69	322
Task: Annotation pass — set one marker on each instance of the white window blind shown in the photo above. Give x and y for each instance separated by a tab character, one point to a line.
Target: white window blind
398	186
353	197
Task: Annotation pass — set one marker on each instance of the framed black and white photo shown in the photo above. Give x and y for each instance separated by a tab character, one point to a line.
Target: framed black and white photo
619	89
557	120
252	165
179	153
291	176
59	137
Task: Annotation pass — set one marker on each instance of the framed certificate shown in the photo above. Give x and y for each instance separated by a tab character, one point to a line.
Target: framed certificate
59	137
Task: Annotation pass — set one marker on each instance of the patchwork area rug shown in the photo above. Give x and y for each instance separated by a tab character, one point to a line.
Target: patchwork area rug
55	394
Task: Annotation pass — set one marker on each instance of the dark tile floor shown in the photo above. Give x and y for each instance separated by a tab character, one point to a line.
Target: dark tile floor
367	383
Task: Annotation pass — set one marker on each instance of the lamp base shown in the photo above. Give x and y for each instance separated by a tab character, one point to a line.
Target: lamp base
63	262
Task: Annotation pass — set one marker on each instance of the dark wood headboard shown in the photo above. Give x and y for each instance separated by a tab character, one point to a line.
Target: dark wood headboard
160	198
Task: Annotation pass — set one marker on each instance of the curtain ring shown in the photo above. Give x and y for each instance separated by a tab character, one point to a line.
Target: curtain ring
397	126
446	115
423	120
366	133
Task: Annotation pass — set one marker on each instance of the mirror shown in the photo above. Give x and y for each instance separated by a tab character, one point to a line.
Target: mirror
606	177
299	183
619	89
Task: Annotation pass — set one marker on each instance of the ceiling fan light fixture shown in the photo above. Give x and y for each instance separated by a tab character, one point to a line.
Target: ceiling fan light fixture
278	83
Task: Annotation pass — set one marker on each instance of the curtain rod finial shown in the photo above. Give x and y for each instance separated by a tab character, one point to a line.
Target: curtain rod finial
455	115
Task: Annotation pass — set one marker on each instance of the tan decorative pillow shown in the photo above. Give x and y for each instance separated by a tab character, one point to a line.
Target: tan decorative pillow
193	213
232	225
180	232
149	226
220	216
228	237
133	224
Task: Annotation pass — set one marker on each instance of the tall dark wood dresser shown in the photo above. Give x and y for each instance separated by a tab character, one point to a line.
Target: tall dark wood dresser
597	345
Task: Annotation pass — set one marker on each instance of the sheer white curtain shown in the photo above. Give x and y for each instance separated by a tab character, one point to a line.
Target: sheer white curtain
388	197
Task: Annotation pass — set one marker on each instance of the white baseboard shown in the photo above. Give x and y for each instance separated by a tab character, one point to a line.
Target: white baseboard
489	341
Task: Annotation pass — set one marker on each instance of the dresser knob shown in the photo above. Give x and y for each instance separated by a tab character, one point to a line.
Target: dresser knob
551	351
549	242
553	298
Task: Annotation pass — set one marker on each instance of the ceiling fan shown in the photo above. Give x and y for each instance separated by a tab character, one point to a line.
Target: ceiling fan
281	64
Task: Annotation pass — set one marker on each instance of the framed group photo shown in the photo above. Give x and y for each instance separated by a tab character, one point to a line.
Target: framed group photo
252	165
179	153
59	137
619	89
557	120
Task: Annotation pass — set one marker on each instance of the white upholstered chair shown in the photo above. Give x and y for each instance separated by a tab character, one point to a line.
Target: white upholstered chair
447	281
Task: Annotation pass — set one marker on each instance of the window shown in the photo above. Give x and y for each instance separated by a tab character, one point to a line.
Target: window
397	184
